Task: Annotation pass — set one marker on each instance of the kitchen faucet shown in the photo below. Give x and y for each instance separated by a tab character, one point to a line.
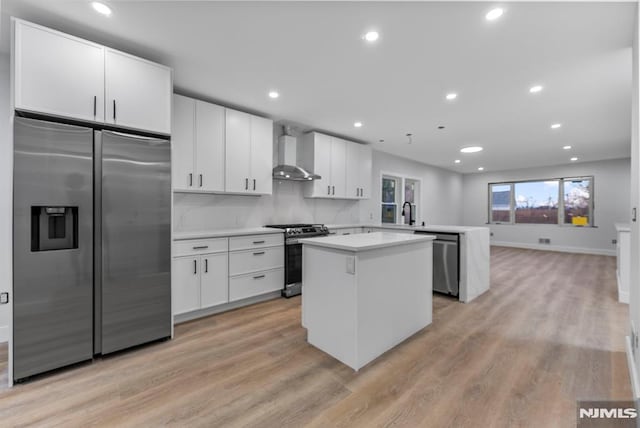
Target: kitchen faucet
411	219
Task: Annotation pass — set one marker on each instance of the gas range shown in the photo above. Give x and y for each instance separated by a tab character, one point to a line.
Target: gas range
293	253
292	232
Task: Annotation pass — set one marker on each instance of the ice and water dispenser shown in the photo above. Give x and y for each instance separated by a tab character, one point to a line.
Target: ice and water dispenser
54	228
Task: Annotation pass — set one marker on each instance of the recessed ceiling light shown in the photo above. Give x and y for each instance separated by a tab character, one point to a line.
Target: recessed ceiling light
101	8
556	126
573	159
494	14
566	147
274	94
480	168
472	149
371	36
358	124
452	96
456	161
535	89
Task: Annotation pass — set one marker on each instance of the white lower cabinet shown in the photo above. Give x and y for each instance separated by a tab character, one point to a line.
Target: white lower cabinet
254	284
199	282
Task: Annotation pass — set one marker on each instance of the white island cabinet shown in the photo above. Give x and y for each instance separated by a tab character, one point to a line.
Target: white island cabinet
623	260
364	294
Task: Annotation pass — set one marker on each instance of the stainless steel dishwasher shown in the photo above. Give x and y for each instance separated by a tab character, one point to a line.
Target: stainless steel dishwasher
446	270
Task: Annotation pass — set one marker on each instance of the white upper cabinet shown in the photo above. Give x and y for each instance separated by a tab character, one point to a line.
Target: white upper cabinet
183	142
338	167
209	160
359	165
61	75
58	74
345	167
238	151
261	155
137	93
248	153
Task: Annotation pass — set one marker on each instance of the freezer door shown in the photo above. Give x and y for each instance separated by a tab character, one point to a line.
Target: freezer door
52	246
136	240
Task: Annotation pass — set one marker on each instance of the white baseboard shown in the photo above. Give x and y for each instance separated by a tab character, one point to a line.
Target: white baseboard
633	374
189	316
623	296
562	249
4	333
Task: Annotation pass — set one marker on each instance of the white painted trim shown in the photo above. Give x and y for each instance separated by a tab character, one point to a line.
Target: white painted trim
633	374
559	248
623	296
4	333
189	316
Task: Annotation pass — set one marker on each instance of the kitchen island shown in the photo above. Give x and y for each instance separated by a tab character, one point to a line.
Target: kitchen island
364	294
474	251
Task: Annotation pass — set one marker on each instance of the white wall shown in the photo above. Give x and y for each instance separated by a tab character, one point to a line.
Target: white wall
6	164
440	190
611	202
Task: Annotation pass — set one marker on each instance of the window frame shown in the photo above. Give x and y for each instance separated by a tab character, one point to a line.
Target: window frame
399	196
561	201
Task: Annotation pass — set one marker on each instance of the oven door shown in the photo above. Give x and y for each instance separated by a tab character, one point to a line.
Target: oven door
293	264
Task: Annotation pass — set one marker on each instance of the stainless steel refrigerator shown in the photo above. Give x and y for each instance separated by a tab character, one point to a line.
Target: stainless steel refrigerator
91	243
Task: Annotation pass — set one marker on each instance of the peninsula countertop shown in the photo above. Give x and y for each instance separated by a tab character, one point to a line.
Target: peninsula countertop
426	228
366	241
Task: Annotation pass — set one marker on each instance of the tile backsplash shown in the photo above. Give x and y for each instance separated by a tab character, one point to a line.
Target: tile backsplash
194	212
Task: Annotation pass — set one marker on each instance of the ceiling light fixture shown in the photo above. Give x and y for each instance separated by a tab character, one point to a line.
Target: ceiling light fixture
494	14
274	94
358	124
371	36
480	168
456	161
573	159
452	96
556	126
472	149
101	8
535	89
566	147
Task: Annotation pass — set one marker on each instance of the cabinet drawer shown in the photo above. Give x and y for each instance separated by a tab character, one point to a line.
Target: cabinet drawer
200	246
242	262
241	287
255	241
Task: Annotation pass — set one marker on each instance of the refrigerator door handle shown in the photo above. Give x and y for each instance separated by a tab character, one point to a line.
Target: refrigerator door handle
95	106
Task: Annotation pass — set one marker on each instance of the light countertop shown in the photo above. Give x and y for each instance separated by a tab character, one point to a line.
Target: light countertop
366	241
427	228
623	227
220	233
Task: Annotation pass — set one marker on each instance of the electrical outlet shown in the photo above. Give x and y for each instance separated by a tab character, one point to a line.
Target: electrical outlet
491	234
614	241
4	298
544	241
351	265
370	216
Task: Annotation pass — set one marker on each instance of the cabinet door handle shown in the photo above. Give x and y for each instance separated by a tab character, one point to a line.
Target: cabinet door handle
357	192
259	277
201	247
200	180
246	184
258	242
333	190
195	267
190	179
258	253
328	190
206	265
114	110
95	106
254	184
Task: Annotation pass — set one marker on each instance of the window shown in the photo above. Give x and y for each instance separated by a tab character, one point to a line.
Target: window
411	195
565	201
537	202
389	203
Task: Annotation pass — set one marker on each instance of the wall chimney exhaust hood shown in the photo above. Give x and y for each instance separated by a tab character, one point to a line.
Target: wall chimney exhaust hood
288	168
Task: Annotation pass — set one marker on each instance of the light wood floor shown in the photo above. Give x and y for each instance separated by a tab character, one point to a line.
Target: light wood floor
549	332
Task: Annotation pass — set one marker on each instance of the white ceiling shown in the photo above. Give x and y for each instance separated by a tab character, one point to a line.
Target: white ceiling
328	77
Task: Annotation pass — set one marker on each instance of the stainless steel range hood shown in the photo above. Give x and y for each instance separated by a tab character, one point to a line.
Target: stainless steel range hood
288	168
